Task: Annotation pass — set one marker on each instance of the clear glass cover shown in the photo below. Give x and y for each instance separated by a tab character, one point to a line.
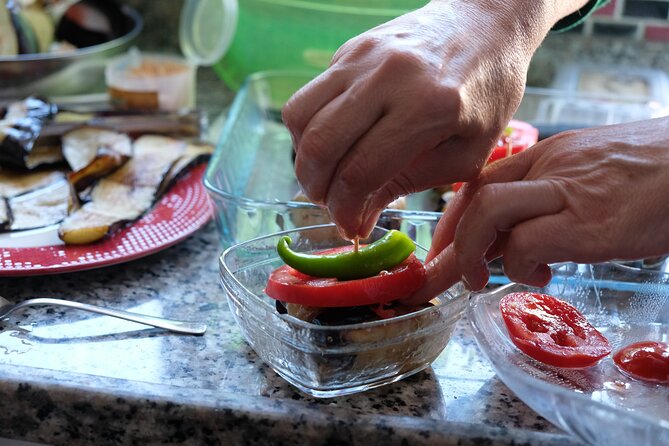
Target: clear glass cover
598	404
327	361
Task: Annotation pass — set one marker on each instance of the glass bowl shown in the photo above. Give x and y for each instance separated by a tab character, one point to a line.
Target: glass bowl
328	361
599	404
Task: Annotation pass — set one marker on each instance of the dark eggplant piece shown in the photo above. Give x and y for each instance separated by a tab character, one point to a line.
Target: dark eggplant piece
20	125
90	22
195	153
25	34
9	43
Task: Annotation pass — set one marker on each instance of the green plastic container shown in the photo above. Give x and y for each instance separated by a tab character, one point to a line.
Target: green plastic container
299	34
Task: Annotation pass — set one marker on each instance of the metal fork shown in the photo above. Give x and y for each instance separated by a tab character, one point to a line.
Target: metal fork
194	328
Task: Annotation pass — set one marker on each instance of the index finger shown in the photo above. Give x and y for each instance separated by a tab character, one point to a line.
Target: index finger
508	169
499	207
308	100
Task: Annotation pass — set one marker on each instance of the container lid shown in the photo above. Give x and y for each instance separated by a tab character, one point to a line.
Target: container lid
206	29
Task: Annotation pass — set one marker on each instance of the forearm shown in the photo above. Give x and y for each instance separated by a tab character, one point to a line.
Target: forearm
524	21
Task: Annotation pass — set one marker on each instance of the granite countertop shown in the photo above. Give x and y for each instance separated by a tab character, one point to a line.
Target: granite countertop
76	378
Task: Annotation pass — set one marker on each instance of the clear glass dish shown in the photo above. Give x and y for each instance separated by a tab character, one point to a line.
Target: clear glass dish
328	361
251	179
599	404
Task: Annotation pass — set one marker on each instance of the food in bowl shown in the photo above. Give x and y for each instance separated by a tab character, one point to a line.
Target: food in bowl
30	27
337	350
349	276
552	331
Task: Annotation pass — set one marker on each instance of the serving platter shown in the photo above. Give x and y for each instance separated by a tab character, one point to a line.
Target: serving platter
599	404
182	210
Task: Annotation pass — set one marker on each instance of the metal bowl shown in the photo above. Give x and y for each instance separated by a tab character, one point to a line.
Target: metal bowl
62	74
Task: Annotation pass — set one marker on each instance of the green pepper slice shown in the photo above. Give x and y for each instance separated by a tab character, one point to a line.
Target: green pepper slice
388	251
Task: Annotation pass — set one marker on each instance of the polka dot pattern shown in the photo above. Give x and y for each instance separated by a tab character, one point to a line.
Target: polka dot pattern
184	209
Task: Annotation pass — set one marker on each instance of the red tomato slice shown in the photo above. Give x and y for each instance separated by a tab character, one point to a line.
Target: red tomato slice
523	136
289	285
552	331
647	360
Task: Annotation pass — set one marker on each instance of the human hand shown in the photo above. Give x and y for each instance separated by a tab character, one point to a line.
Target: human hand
411	104
583	196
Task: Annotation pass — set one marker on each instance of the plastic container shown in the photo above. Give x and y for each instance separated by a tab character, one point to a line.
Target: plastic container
150	82
639	83
328	361
293	34
586	95
598	404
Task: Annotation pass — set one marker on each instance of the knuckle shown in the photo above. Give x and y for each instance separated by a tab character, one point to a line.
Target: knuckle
447	101
399	186
463	255
351	176
484	200
315	147
289	114
400	62
513	271
515	266
358	46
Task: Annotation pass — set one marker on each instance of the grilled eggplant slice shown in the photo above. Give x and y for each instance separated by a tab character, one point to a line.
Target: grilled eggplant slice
125	194
94	152
9	43
195	154
43	207
20	126
4	214
43	155
14	183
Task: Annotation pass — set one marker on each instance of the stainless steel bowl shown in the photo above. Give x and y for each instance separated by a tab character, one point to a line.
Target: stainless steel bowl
62	74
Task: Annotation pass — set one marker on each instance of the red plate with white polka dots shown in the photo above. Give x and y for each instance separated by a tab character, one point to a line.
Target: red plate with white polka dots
184	209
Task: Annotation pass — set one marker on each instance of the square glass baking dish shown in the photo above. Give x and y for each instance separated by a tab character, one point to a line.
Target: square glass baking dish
251	180
328	361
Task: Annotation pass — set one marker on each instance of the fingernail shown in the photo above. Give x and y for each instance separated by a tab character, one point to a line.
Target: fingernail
541	276
293	141
464	280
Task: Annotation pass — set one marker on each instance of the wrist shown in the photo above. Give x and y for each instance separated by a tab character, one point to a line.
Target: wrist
521	22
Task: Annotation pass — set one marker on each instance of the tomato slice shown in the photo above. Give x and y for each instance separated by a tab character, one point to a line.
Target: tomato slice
552	331
289	285
523	136
646	360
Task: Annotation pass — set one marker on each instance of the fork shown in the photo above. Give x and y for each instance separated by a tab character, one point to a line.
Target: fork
183	327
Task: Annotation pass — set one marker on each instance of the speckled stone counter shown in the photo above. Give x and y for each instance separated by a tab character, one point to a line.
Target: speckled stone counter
73	378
